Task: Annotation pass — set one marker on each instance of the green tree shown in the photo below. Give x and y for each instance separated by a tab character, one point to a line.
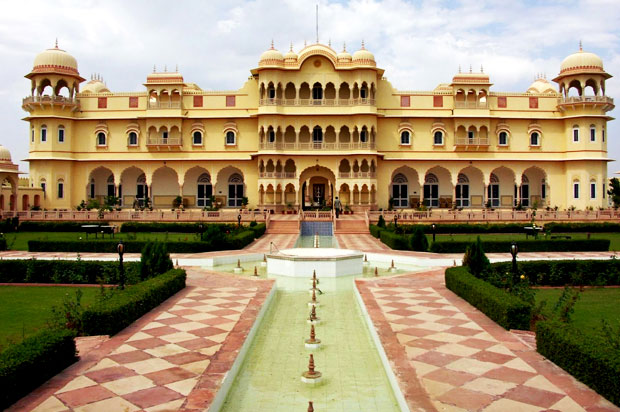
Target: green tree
614	191
475	259
418	240
381	222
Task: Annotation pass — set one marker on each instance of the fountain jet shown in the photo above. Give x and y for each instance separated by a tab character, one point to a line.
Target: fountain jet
311	376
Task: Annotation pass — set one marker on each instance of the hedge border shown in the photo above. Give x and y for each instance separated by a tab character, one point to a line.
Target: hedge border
567	272
122	309
499	246
507	310
63	271
588	359
26	365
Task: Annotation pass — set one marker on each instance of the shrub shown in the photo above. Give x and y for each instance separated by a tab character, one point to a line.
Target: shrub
418	241
8	225
3	245
109	246
499	305
26	365
69	226
395	241
604	227
375	230
63	271
381	222
493	246
109	316
154	260
161	227
475	259
259	229
240	240
454	228
588	358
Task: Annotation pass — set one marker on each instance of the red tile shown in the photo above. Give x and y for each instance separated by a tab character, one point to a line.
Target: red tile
417	332
408	321
403	312
477	343
198	343
218	321
457	330
424	343
445	312
187	357
455	378
152	396
129	357
509	375
161	331
224	312
466	399
166	376
172	321
184	312
436	358
84	396
149	343
110	374
492	357
228	305
191	304
397	305
533	396
208	331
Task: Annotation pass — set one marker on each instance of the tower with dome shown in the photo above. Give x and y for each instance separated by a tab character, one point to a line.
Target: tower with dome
312	124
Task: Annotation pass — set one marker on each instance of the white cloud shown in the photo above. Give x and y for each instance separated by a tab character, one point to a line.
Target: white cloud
419	43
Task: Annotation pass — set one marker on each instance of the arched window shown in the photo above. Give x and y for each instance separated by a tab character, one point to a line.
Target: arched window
534	139
111	188
142	190
271	92
61	134
32	136
592	133
61	189
364	135
603	135
576	189
503	138
235	190
317	135
91	193
271	135
317	91
438	138
231	138
592	189
101	139
493	191
204	191
400	191
43	134
462	191
132	139
575	134
197	138
431	190
405	137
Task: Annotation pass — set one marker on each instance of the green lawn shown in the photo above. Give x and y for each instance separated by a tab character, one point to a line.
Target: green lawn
614	237
593	305
25	309
19	240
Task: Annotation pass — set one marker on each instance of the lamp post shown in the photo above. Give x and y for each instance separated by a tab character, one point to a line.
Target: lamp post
239	219
120	248
395	221
514	249
434	228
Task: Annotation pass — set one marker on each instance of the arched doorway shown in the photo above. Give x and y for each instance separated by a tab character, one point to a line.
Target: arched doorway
317	186
400	191
235	190
204	190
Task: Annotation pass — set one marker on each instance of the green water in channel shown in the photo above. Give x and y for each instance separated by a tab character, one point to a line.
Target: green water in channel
353	376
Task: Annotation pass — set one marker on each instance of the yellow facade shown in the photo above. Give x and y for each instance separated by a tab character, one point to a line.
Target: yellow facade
307	127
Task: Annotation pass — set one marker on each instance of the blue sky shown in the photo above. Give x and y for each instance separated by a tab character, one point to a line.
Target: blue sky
419	43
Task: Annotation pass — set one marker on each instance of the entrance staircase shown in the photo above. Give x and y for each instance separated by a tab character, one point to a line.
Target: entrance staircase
283	226
351	224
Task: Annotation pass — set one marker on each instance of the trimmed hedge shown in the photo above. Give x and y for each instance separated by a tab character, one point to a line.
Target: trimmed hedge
3	245
391	239
63	271
604	227
567	272
71	226
131	227
26	365
499	305
588	358
114	314
493	246
109	246
258	229
376	230
453	228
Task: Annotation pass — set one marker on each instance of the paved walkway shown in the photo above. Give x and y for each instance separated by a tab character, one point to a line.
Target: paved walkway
175	357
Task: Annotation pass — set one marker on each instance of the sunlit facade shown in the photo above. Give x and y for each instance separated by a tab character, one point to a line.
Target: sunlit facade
308	126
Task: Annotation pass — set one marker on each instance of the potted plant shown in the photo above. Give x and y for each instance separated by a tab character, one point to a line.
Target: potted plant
177	202
289	207
347	209
244	202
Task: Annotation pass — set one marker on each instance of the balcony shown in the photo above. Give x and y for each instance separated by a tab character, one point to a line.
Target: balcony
164	105
161	142
357	175
316	146
470	105
277	175
606	103
317	102
60	101
466	141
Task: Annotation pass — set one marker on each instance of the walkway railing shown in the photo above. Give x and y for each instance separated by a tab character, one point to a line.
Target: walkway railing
488	215
224	215
585	99
316	215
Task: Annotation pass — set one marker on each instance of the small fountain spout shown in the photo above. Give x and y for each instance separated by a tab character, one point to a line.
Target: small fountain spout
376	271
311	375
314	278
316	240
238	268
310	406
255	271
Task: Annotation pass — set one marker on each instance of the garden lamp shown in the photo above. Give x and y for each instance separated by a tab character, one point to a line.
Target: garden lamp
514	249
120	248
239	219
395	220
434	227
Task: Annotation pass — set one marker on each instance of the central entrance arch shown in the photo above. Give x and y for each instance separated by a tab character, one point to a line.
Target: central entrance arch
317	186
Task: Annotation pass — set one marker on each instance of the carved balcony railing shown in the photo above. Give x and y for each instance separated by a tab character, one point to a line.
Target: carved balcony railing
52	100
316	146
164	105
357	175
277	175
317	102
466	141
470	105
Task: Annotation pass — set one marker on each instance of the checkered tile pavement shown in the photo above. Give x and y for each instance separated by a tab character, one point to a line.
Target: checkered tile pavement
463	367
157	367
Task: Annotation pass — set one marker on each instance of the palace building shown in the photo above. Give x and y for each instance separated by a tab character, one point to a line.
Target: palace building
308	126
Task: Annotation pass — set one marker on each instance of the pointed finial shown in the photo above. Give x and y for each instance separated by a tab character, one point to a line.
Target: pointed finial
470	68
459	68
291	48
56	44
272	44
481	69
165	68
363	48
329	42
154	69
305	43
176	68
580	46
344	47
